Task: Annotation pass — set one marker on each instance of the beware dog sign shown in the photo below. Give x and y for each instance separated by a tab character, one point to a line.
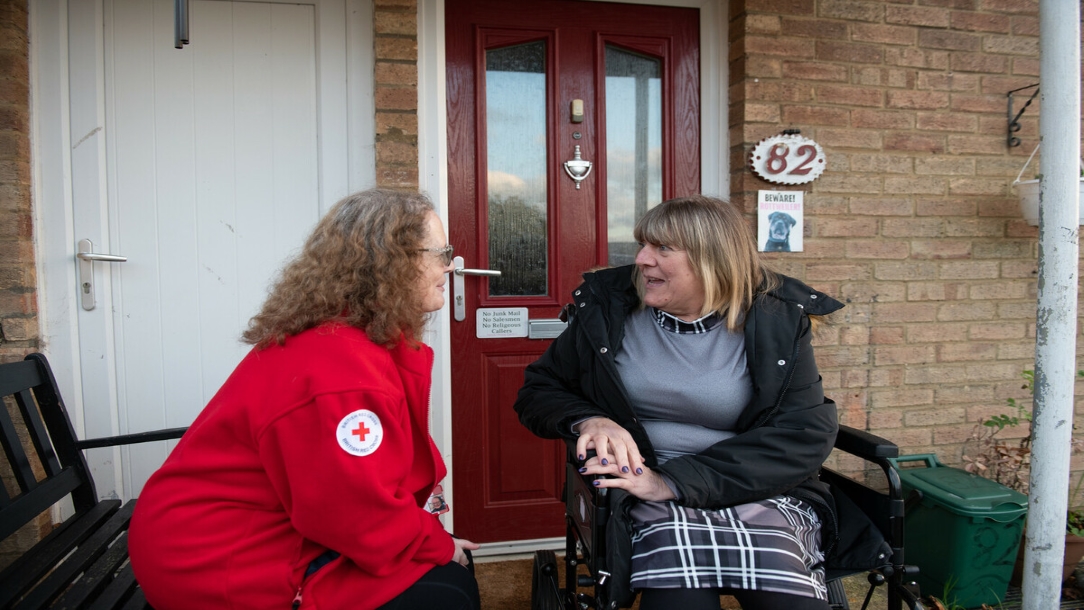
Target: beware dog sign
779	221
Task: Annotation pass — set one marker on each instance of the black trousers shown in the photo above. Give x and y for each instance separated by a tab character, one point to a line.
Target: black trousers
447	587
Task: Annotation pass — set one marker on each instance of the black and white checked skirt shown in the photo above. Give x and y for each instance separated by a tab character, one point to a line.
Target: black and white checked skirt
770	545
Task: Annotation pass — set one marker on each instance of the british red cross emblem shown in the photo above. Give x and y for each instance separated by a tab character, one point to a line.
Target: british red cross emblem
360	433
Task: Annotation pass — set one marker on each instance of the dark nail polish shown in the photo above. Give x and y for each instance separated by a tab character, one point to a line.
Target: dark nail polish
595	483
639	471
581	456
583	470
624	469
604	462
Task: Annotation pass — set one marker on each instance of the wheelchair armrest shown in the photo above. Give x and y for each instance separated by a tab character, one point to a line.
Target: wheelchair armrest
865	445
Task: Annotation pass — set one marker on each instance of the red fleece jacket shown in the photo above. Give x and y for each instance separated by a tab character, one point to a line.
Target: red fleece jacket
322	443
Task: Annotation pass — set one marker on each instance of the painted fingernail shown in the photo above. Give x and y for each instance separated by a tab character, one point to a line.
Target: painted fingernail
604	462
581	456
583	470
639	471
596	483
624	469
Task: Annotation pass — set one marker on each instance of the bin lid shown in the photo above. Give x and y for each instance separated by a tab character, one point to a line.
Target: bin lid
965	493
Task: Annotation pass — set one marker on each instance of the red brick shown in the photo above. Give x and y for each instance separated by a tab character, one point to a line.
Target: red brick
881	163
762	24
940	249
779	92
842	183
1005	249
908	271
936	291
395	73
893	313
901	398
396	98
942	121
912	227
783	7
397	123
917	185
846	227
984	145
849	138
394	22
1025	26
883	34
997	331
979	62
977	186
830	271
1004	290
933	417
941	81
815	115
1025	66
918	16
849	96
878	249
937	333
881	207
899	78
763	67
814	28
945	166
974	227
850	10
849	52
944	207
774	46
915	142
815	71
916	58
882	119
886	335
923	100
962	102
397	177
949	40
1011	45
980	22
1024	7
763	113
396	48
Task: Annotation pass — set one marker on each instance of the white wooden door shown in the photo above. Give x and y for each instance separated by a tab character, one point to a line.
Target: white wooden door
206	167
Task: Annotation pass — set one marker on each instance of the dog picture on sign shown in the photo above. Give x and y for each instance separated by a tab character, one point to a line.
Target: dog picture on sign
779	221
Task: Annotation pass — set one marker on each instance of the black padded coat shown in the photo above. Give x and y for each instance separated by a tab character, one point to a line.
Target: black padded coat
784	434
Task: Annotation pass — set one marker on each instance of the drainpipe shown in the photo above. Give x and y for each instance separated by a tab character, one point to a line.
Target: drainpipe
1056	317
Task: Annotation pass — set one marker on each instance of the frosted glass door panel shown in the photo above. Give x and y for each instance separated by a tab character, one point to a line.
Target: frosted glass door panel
516	168
633	146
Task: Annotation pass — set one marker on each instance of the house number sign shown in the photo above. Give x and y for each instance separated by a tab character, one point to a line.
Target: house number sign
787	159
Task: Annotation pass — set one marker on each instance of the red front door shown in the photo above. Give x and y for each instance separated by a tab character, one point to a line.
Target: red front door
529	85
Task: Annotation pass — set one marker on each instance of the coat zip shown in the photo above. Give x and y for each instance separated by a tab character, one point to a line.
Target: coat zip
297	600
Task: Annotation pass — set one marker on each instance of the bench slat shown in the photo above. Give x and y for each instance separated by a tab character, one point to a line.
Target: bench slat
121	589
27	506
20	576
91	583
90	550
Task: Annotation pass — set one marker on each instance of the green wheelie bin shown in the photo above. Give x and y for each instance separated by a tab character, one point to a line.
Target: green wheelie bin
964	532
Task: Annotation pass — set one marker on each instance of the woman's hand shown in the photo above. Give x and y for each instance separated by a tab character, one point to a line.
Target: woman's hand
612	443
647	486
460	556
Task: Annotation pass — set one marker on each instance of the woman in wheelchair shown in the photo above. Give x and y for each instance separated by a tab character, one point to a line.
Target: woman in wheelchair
691	376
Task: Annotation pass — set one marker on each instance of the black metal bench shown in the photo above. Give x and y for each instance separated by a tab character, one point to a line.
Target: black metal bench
83	562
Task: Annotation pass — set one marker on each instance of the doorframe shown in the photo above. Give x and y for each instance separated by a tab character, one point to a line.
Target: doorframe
346	159
433	179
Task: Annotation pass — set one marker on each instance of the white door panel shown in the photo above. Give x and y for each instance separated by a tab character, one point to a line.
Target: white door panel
206	167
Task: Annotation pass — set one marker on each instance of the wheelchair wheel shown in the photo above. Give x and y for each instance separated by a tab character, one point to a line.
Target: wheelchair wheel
545	594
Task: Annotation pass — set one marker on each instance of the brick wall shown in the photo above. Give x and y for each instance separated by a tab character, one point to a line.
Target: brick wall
396	85
914	223
18	302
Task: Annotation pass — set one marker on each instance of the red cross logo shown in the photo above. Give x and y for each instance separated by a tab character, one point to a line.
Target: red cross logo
361	431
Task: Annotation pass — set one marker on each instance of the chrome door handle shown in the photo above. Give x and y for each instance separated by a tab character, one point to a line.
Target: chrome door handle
459	299
86	256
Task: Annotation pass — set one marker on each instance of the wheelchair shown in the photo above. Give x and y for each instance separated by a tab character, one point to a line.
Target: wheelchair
587	511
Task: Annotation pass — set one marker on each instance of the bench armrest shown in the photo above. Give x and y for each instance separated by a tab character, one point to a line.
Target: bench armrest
129	439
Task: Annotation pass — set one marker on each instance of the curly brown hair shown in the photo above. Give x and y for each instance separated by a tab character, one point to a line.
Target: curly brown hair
358	267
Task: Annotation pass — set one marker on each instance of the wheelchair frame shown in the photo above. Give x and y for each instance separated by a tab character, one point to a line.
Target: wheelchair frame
587	511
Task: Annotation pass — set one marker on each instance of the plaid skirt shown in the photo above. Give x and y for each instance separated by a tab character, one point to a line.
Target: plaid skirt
770	545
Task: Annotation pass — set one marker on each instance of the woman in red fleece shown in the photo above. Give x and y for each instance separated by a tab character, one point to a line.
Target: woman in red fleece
305	482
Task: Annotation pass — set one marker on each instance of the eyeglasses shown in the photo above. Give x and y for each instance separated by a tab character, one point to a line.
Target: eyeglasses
445	253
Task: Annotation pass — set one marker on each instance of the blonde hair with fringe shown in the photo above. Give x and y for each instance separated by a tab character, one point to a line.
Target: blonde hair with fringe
721	249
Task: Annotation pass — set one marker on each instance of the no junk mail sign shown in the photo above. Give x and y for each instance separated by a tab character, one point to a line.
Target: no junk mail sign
787	159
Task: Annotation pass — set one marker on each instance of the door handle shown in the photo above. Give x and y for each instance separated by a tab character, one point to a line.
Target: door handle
86	256
459	299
